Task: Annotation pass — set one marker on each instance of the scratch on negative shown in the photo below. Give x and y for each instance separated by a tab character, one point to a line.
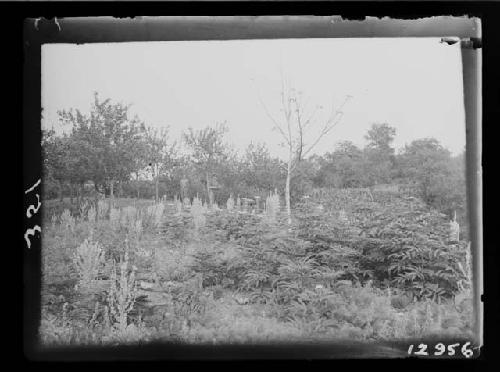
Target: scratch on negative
55	21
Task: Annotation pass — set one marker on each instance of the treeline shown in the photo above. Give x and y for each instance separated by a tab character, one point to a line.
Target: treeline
108	152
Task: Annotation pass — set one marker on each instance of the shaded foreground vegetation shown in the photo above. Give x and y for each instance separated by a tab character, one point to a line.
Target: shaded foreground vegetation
353	265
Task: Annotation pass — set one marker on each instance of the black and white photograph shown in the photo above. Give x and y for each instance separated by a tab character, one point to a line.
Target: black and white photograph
253	191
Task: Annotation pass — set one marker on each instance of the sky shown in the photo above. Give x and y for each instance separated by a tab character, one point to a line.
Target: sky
413	84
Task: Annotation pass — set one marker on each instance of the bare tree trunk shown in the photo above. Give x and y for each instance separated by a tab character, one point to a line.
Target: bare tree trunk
287	188
208	190
184	189
78	195
111	195
96	201
71	194
61	194
157	181
119	190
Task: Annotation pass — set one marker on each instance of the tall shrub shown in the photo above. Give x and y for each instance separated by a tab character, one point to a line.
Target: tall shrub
89	261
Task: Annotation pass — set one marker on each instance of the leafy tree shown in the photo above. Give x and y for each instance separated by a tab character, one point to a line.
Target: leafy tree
261	172
230	174
159	154
342	168
421	162
106	145
380	137
208	150
379	155
55	159
439	176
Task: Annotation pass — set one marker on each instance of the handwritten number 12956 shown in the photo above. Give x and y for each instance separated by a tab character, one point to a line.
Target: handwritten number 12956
442	349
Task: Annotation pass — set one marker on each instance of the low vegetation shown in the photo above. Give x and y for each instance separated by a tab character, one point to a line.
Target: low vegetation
353	265
145	238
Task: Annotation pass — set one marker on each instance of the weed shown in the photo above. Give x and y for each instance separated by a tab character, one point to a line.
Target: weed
122	294
89	261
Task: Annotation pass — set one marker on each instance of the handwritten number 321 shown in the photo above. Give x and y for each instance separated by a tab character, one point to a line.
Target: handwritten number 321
30	212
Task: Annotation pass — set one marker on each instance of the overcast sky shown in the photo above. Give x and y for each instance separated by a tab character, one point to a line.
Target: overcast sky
413	84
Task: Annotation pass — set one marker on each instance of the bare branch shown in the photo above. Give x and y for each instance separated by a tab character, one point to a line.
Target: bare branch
301	131
310	117
287	109
275	122
330	124
332	113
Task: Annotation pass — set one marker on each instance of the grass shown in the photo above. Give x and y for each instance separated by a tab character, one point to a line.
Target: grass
163	293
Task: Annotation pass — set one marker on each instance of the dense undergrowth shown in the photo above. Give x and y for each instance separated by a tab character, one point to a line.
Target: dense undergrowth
351	266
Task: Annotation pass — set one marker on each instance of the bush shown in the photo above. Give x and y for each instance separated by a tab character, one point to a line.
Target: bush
89	261
198	213
232	226
398	239
67	220
153	215
171	263
219	265
177	229
122	294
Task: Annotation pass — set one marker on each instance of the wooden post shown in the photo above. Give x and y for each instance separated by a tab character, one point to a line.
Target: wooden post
208	187
257	204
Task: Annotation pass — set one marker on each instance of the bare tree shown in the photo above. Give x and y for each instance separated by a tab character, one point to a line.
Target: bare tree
300	129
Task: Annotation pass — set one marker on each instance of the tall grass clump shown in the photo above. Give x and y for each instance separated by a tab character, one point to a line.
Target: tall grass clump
272	207
102	208
82	210
342	216
230	203
137	228
128	217
67	220
454	234
198	213
91	214
153	215
122	294
114	217
53	221
158	213
89	260
178	205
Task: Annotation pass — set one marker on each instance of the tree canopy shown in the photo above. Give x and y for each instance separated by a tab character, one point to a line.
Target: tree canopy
109	147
